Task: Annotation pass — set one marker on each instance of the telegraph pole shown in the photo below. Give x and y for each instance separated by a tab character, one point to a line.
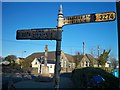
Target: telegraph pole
83	48
58	49
98	51
98	54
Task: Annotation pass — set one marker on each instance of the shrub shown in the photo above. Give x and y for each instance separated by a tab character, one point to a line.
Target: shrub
81	77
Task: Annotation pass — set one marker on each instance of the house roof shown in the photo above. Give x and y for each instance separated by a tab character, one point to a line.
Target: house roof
70	57
78	57
49	62
51	56
21	58
90	57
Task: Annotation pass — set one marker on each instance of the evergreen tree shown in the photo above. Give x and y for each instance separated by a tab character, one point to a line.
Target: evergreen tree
103	58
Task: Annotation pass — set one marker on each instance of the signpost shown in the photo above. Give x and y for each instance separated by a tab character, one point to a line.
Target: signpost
56	33
96	17
38	34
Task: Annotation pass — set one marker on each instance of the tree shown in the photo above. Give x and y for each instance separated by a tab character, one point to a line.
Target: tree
25	64
11	59
103	58
114	62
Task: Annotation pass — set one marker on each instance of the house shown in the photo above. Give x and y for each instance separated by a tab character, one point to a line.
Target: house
86	60
70	64
51	66
67	61
107	64
36	63
19	60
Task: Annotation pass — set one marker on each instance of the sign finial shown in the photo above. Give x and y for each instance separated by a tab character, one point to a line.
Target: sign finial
60	11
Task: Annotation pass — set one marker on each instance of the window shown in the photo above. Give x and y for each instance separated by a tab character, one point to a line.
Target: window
64	64
86	63
50	66
69	65
35	63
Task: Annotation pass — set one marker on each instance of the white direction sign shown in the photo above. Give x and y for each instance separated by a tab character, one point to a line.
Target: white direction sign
38	34
96	17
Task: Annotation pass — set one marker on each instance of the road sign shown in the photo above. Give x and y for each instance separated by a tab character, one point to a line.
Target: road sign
23	34
38	34
96	17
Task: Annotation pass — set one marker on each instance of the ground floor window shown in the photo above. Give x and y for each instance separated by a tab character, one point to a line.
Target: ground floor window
50	66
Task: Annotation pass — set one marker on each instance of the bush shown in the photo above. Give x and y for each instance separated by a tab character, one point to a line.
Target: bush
82	77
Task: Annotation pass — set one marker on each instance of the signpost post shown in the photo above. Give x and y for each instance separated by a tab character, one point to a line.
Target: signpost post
56	33
58	49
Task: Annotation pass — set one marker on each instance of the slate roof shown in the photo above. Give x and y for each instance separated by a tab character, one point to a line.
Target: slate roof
51	56
90	57
49	62
70	57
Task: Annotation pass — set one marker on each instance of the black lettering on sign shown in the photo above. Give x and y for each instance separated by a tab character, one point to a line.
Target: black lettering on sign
77	19
92	17
23	34
98	17
105	16
87	19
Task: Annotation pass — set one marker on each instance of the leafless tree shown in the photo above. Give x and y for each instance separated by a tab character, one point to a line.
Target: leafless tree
114	62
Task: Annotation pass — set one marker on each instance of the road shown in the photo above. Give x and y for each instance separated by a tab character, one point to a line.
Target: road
65	82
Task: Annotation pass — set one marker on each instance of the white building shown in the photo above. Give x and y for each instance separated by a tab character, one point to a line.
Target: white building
37	64
66	60
107	64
